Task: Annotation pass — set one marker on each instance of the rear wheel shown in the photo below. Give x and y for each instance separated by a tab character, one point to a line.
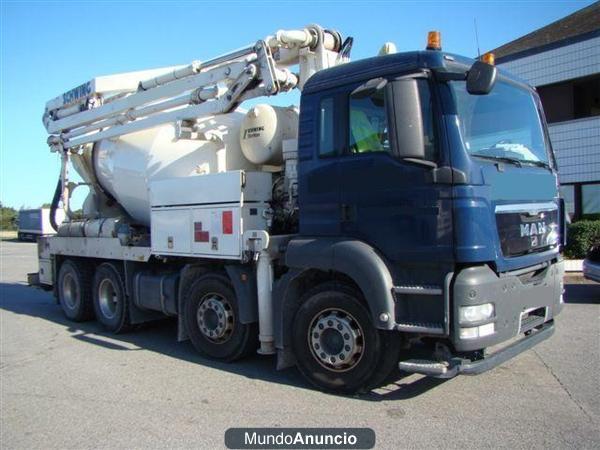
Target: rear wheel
212	320
74	290
337	347
110	302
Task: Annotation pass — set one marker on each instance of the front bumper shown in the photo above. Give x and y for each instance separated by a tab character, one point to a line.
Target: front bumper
515	296
525	304
456	365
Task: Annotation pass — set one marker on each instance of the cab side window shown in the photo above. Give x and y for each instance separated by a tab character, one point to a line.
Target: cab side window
368	127
326	127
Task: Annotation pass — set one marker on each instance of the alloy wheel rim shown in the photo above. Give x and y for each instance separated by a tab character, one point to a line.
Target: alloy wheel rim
108	299
336	340
215	318
70	292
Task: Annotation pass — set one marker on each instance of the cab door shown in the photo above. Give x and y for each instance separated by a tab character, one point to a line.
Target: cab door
319	152
390	203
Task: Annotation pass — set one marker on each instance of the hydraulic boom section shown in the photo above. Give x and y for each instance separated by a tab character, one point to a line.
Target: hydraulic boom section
111	106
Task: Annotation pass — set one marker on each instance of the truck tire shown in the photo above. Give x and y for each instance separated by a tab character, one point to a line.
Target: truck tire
110	301
337	347
74	290
212	320
387	367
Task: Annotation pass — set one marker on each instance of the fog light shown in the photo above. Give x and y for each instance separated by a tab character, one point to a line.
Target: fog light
475	332
475	313
486	330
469	333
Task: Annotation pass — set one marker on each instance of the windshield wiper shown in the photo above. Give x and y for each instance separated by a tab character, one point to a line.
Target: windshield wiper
517	162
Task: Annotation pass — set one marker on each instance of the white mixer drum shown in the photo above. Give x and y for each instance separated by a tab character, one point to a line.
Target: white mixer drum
125	166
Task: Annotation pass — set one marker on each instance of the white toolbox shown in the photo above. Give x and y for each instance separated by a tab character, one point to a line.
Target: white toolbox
206	215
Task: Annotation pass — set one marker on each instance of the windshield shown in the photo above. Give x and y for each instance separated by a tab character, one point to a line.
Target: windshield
502	124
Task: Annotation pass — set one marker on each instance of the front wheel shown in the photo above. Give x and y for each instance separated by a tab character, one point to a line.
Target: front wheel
337	347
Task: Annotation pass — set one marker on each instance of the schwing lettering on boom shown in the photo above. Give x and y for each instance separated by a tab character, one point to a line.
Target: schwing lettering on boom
77	93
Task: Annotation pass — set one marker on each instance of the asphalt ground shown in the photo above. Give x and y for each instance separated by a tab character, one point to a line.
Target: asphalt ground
68	385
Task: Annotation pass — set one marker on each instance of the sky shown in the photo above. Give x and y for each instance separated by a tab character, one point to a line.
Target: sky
49	47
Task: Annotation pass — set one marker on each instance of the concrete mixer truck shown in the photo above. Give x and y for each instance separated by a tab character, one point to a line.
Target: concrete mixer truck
406	216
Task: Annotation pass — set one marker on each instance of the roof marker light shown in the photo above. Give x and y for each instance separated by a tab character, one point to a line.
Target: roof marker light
489	58
388	48
434	40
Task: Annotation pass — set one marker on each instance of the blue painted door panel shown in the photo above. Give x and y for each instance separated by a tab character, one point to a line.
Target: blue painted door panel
319	193
394	206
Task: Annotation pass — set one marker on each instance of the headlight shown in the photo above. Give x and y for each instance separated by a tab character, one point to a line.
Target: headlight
475	313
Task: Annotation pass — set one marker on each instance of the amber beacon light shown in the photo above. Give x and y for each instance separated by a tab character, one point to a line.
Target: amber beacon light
489	58
434	40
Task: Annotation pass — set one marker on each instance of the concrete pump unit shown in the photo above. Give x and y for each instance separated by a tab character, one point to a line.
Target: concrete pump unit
339	235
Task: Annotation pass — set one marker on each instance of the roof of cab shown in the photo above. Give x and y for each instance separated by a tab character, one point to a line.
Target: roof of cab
381	66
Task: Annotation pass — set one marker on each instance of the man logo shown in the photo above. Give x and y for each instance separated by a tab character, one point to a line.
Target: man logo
533	229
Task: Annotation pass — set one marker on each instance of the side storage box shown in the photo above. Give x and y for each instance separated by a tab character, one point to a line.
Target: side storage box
206	215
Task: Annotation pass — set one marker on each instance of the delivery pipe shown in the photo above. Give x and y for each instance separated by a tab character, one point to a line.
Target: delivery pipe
195	97
61	113
248	53
264	283
302	38
176	74
130	115
54	204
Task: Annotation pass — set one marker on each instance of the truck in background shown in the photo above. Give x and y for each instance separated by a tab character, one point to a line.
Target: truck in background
34	223
406	216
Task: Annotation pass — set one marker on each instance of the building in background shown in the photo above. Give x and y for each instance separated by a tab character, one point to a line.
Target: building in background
562	60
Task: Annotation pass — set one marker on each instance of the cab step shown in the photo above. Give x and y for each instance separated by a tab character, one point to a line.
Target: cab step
437	369
418	290
420	327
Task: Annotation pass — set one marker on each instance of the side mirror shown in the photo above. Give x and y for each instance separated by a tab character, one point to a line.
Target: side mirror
406	121
481	78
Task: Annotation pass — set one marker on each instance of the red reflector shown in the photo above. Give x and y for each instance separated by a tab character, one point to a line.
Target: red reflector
227	222
199	234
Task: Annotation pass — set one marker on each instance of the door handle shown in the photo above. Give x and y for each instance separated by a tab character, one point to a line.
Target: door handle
347	213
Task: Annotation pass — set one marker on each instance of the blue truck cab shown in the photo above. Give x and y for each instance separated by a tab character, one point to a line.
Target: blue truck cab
435	207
